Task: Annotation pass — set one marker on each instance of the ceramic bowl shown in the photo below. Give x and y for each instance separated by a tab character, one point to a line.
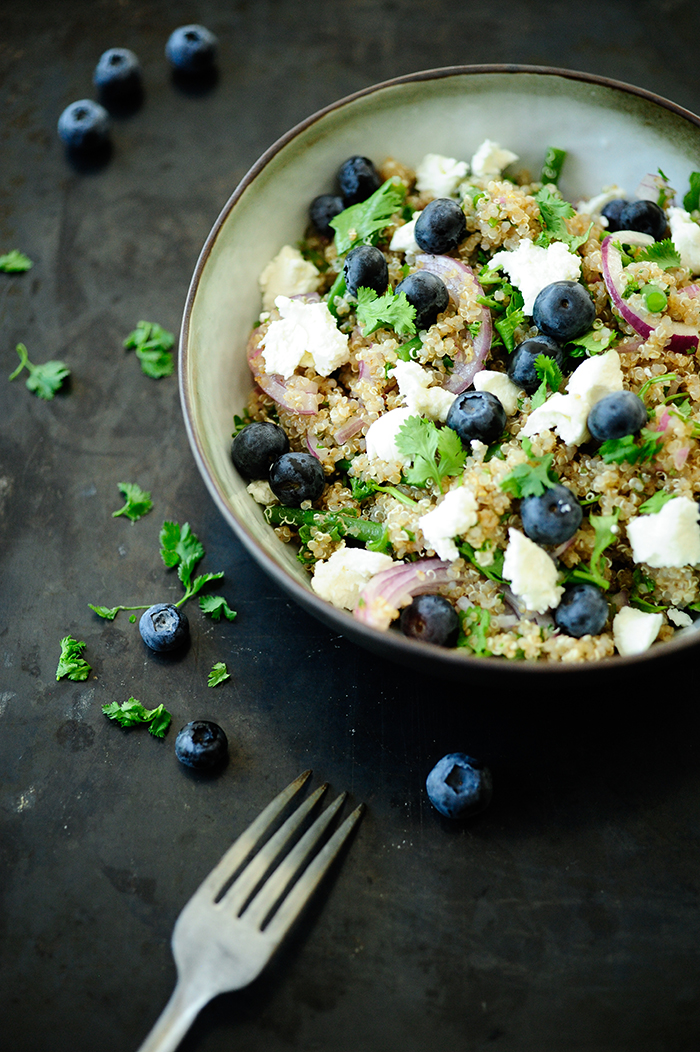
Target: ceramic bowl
612	132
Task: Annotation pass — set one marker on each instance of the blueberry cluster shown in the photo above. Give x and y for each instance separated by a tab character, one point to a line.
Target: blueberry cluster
261	451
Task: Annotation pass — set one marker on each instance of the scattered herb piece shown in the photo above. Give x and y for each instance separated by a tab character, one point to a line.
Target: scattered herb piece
663	253
362	223
664	378
626	450
691	201
606	532
336	524
219	674
406	351
15	262
494	570
110	612
362	489
421	440
553	163
550	375
239	422
132	712
138	501
655	503
215	606
44	380
71	663
533	478
553	211
595	341
473	635
153	346
387	311
642	590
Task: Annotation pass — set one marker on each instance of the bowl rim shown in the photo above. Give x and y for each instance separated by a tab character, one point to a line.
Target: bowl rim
402	649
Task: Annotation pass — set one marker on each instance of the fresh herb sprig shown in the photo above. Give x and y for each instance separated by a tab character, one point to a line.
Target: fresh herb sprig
71	663
628	450
437	453
216	607
132	713
219	674
388	311
137	501
554	211
551	377
153	346
15	262
361	224
44	380
533	478
595	341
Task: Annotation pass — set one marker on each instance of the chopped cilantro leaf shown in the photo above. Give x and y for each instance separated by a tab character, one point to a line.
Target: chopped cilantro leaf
219	674
655	503
606	532
44	380
138	501
180	547
362	223
153	346
492	570
553	211
15	262
436	452
387	311
691	201
626	450
663	253
132	713
71	663
550	375
532	479
595	341
216	606
239	422
110	612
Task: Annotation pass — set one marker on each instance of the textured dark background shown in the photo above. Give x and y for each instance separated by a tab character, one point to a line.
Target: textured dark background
566	916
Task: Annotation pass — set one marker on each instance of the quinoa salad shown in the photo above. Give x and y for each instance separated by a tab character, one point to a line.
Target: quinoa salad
476	405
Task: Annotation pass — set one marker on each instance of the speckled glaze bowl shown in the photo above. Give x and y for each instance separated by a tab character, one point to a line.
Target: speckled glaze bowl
612	132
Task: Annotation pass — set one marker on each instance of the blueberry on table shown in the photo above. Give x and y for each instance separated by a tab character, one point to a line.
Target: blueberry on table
582	611
552	517
477	415
563	310
256	446
612	212
357	180
616	415
202	745
459	786
646	217
366	267
118	72
191	49
432	619
521	364
427	293
296	477
440	227
322	209
84	125
164	627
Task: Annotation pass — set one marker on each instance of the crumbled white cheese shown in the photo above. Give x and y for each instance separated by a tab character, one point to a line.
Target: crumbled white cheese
685	235
500	385
414	385
490	160
288	274
403	239
670	537
303	328
454	515
440	176
679	617
595	205
635	630
340	578
567	414
381	436
531	572
531	268
261	492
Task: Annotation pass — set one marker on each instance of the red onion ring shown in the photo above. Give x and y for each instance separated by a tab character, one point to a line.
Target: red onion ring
304	400
395	587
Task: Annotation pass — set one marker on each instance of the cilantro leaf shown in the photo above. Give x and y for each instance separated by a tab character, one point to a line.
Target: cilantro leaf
138	501
494	570
691	201
180	547
216	606
199	582
655	503
626	450
390	310
71	663
663	253
219	674
362	223
436	452
110	612
15	262
44	380
553	211
595	341
533	478
551	376
132	713
153	346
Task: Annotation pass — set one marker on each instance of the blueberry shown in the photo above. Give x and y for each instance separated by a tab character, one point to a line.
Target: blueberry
357	180
296	477
612	213
427	293
191	49
440	227
366	267
521	365
616	415
164	627
644	216
256	447
118	72
477	414
84	125
551	518
432	619
583	611
201	744
322	209
459	786
563	310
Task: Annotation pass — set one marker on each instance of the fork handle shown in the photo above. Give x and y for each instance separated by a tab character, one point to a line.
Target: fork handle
175	1020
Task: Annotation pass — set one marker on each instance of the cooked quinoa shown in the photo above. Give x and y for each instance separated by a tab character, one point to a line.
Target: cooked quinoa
500	213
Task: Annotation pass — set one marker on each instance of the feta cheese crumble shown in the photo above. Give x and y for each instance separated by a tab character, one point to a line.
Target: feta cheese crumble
567	414
635	630
500	385
490	160
303	328
531	572
340	578
670	537
261	492
381	436
403	238
439	175
685	235
531	268
414	384
454	515
288	274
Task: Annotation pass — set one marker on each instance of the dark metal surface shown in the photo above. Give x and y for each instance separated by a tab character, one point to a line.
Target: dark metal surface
565	917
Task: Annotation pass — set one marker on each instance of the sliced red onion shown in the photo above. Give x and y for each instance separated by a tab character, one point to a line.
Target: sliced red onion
391	589
365	371
651	188
302	399
312	444
349	429
680	456
691	291
684	338
454	274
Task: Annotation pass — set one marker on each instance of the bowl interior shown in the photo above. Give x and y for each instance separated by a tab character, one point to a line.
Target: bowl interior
612	134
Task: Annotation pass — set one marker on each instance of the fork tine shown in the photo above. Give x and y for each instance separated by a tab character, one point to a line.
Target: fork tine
249	839
277	883
245	884
304	888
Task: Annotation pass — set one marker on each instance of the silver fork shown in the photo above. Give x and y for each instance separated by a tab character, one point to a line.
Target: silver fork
228	932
